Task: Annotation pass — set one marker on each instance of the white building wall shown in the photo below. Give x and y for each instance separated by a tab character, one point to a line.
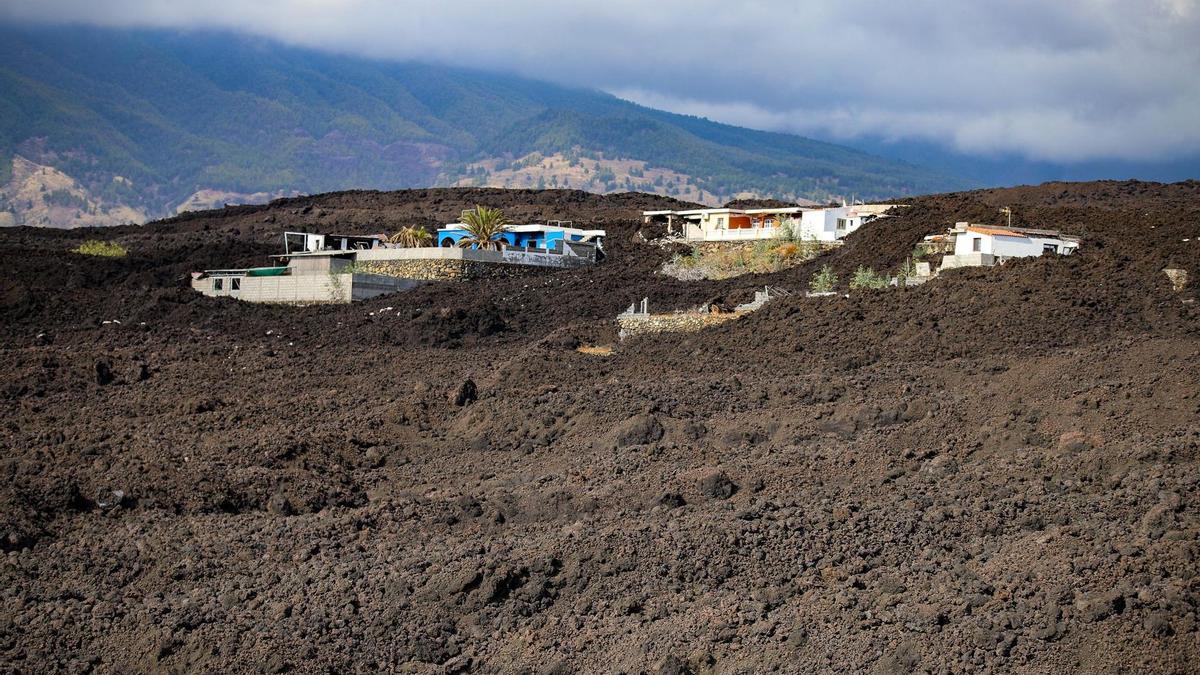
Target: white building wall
821	224
1008	247
1016	247
964	243
301	288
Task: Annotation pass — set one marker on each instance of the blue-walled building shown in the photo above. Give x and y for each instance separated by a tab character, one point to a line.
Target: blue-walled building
533	236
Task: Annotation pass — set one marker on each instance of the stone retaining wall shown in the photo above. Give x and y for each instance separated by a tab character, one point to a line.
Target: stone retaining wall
683	322
444	270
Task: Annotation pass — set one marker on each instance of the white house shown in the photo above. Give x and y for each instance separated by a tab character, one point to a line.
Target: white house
725	224
983	245
834	223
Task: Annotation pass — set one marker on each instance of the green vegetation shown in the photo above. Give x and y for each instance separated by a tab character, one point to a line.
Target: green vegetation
484	227
726	262
104	249
533	159
412	237
865	277
174	112
824	281
65	198
906	271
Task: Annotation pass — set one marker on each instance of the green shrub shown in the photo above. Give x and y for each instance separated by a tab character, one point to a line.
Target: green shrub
865	277
907	269
104	249
823	281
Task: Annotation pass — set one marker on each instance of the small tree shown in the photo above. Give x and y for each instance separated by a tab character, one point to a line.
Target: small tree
865	277
788	230
823	281
484	227
412	237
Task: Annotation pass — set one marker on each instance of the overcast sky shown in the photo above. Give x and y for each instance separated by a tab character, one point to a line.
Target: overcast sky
1060	80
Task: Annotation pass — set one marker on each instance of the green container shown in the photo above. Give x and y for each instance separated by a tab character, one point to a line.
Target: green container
266	271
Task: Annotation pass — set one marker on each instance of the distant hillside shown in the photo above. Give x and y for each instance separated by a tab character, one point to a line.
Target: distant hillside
146	122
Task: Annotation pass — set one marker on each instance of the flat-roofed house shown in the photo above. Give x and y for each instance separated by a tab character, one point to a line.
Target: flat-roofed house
726	224
546	237
985	245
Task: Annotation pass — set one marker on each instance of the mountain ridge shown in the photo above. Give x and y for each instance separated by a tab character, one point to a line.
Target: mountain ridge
181	115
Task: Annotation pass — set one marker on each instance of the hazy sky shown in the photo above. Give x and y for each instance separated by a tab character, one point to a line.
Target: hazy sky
1060	80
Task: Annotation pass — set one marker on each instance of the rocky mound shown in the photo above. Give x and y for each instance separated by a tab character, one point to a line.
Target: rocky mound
995	471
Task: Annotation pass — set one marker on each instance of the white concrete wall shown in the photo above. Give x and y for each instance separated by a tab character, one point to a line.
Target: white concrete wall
305	288
1016	247
299	288
963	243
821	224
1008	247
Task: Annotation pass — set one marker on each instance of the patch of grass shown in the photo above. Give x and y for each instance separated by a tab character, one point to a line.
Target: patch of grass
103	249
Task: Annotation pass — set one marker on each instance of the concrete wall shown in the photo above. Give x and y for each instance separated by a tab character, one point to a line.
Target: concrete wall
964	244
821	224
1008	247
322	264
305	289
367	286
301	288
968	260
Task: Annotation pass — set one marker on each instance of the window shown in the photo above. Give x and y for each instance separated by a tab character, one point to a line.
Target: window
976	244
721	221
235	284
218	284
1049	248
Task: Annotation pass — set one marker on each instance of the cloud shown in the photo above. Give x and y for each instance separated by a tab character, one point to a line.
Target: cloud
1070	80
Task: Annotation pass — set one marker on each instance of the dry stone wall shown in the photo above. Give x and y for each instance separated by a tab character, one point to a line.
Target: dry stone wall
682	322
444	270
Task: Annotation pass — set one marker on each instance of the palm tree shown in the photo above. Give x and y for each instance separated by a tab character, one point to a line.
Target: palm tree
484	227
411	237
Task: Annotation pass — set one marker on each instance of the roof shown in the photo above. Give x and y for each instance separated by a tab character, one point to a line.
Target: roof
1017	232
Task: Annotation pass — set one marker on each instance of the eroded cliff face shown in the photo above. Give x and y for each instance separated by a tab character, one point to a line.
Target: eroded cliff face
42	196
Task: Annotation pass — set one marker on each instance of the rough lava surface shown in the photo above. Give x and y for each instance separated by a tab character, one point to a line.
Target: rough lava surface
994	472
